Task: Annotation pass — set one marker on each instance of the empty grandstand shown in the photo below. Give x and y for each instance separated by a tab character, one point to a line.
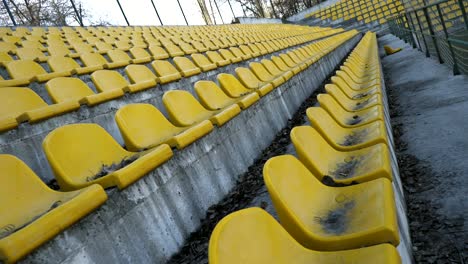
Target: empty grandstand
262	142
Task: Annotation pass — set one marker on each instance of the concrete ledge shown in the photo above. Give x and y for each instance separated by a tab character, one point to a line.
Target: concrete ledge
149	221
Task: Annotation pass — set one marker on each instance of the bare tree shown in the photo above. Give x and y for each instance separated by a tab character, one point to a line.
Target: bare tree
43	12
278	8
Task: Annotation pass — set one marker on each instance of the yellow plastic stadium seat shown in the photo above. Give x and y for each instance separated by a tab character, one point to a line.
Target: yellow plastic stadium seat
358	83
283	67
187	48
342	167
4	58
246	50
346	139
36	213
227	55
173	50
249	80
8	47
389	50
122	45
94	60
186	66
184	110
273	69
166	71
356	92
350	119
239	54
106	80
103	47
216	58
265	76
290	63
330	218
31	54
140	74
33	44
232	86
199	46
23	104
350	104
143	127
119	57
82	48
140	55
201	61
95	157
69	65
24	71
252	236
158	52
59	51
63	89
213	98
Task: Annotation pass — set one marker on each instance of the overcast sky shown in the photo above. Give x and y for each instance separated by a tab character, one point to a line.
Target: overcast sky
141	12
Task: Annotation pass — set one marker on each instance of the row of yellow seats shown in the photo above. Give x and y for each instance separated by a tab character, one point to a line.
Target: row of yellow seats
352	221
120	58
9	42
120	52
161	30
95	160
68	93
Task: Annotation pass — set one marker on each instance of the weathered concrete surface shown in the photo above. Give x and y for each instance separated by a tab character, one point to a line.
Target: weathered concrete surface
148	222
25	142
432	110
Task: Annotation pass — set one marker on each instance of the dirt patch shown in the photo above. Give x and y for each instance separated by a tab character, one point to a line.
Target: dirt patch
436	238
354	138
354	120
336	221
346	169
106	169
248	187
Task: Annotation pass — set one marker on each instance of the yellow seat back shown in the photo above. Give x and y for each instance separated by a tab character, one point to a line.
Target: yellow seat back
24	69
158	52
252	236
118	55
29	53
143	126
248	78
16	100
93	59
186	66
63	89
231	85
324	123
260	71
139	73
106	80
271	67
211	96
183	108
164	68
77	152
313	150
280	63
24	191
57	63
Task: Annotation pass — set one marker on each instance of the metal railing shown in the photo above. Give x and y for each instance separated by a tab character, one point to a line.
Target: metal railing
436	32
